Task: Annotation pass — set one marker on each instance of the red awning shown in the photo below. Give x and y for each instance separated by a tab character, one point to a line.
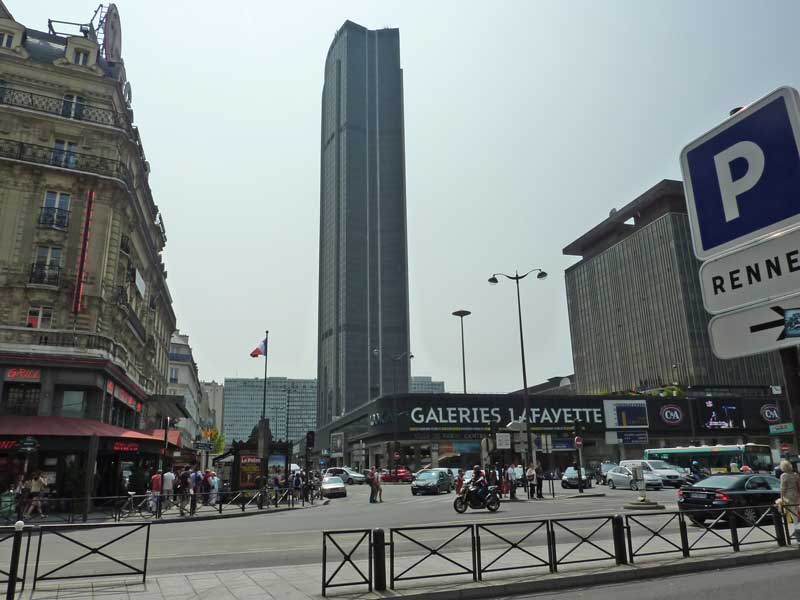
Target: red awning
67	427
174	436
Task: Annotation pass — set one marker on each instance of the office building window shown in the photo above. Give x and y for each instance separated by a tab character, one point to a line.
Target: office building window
39	317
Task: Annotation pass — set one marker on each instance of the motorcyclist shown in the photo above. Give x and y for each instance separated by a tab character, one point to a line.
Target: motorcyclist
478	485
695	471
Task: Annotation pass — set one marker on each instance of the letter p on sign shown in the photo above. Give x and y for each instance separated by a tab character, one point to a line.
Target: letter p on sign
742	178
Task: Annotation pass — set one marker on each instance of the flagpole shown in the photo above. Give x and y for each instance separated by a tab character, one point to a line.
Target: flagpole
264	401
264	432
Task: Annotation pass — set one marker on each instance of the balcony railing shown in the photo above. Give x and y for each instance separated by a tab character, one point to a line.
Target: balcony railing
125	244
45	274
44	155
63	107
54	217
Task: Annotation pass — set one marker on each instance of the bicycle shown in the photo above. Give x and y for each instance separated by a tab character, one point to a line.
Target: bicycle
144	508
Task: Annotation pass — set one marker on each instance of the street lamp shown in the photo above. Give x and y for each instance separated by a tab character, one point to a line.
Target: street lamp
396	360
461	314
516	279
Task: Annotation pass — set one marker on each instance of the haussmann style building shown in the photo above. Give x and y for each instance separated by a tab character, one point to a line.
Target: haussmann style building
363	343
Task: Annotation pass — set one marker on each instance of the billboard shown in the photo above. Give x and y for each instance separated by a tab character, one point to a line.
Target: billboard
337	445
626	414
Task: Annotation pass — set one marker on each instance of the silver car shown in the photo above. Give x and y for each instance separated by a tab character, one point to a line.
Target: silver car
332	487
622	477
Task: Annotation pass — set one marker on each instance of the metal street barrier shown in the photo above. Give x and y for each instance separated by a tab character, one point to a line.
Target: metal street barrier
346	558
557	526
527	531
657	533
71	533
431	551
11	576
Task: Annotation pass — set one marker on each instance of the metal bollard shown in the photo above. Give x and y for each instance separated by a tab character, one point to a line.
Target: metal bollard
684	536
777	520
16	549
733	522
618	533
379	559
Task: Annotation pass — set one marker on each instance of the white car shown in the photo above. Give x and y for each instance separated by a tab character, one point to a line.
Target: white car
622	477
348	475
333	486
669	474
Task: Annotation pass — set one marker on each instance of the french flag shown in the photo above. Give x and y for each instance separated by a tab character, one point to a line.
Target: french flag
260	350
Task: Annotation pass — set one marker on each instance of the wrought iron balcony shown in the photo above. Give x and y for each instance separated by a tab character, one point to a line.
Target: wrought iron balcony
125	244
45	274
71	109
44	155
51	216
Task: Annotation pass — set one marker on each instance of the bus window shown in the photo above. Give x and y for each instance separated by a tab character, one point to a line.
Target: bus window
758	460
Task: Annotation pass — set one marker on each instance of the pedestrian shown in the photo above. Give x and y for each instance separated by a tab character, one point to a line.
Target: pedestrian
511	475
539	480
206	486
378	486
214	488
460	481
297	485
530	478
790	495
372	488
167	488
183	488
34	487
155	491
735	468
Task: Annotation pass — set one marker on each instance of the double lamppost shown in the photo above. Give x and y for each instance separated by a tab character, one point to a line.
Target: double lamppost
516	278
395	363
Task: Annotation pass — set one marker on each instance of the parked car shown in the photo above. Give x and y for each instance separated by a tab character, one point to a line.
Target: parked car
570	479
401	475
348	475
603	470
431	482
705	499
669	474
332	487
622	477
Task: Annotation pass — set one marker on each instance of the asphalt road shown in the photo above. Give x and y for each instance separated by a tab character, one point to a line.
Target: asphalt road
294	537
772	581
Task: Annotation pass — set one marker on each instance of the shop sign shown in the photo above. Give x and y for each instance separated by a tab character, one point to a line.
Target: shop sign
781	428
29	444
671	414
8	444
123	396
23	374
771	414
539	416
125	447
639	438
109	387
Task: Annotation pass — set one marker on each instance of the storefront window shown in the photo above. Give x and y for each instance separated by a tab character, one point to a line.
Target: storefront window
20	399
73	403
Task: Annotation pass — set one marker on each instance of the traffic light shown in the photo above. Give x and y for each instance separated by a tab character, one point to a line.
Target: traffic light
310	439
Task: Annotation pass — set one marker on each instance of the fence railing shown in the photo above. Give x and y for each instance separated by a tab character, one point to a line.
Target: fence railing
346	556
476	550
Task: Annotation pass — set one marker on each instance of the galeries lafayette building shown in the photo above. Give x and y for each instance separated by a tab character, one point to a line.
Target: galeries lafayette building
446	429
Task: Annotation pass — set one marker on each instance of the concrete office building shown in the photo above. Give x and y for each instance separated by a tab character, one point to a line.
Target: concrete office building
363	342
635	308
291	407
422	384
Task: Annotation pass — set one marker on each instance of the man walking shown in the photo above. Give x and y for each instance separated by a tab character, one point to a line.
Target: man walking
155	490
539	480
511	474
372	489
167	487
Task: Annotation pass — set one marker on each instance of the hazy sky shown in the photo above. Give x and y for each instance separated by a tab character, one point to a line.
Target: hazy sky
526	122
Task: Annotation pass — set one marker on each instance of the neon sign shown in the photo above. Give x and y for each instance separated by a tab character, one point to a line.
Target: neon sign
22	374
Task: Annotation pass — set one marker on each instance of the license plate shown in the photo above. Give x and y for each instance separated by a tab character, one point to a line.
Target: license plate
698	495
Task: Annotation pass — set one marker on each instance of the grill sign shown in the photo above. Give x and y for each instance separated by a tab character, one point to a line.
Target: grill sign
671	414
771	414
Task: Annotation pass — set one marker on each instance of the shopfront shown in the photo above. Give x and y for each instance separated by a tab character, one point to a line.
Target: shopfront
451	430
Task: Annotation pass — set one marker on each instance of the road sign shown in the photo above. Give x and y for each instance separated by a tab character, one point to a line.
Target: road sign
578	442
742	178
757	329
397	456
781	428
785	448
28	444
761	271
503	441
207	446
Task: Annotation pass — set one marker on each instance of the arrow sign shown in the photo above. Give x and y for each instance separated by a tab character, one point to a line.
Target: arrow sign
756	329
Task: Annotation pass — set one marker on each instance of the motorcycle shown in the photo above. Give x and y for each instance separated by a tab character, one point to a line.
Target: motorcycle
468	498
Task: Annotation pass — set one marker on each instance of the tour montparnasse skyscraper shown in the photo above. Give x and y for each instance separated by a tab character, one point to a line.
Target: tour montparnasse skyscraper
363	343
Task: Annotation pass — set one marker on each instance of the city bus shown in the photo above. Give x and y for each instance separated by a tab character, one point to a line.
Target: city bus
716	459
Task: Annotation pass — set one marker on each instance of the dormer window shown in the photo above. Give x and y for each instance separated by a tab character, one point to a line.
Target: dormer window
6	39
81	57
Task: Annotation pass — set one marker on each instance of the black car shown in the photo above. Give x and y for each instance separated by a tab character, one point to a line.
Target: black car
732	490
431	482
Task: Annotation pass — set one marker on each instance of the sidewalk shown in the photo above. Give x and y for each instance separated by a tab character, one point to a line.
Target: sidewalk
304	582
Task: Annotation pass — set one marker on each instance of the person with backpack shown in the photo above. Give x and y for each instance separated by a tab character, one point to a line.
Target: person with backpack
297	485
183	489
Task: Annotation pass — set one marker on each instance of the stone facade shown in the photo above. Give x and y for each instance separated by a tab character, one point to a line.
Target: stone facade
82	281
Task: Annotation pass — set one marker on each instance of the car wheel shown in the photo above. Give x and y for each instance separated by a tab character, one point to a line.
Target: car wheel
413	492
349	481
564	485
634	486
749	515
611	485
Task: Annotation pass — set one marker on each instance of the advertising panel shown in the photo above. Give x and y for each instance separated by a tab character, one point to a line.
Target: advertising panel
249	471
626	414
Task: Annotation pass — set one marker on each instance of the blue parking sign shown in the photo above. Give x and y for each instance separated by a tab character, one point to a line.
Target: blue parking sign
742	178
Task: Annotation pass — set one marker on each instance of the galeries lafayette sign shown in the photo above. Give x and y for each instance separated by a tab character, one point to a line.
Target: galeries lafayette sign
478	416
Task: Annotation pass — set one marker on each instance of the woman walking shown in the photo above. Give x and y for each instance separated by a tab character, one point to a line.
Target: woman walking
790	491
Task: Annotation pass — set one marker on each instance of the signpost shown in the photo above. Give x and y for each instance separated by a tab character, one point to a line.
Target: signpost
204	446
742	181
503	441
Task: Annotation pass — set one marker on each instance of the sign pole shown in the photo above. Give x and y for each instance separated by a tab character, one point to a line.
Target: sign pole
791	378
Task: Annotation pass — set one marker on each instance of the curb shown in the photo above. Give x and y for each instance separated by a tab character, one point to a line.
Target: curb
609	578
